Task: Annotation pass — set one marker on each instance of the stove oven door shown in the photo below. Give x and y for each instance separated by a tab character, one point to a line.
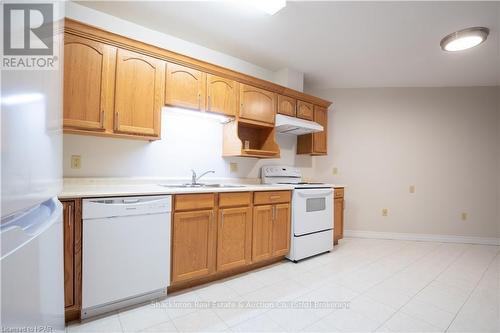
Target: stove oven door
312	210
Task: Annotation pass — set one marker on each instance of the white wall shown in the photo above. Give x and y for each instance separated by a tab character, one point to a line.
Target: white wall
179	150
188	142
138	32
445	141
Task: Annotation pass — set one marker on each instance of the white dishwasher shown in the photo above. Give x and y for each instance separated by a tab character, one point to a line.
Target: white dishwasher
126	251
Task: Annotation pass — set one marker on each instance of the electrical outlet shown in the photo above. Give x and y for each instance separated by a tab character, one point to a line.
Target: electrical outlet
464	216
335	171
385	211
233	167
76	161
412	189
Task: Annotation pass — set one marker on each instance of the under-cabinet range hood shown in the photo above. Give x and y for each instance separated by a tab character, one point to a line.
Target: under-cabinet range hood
296	126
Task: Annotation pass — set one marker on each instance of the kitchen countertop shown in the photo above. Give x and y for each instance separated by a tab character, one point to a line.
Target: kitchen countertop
86	188
108	187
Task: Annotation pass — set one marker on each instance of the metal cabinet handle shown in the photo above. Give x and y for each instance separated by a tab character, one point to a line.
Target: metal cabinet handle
199	101
274	197
209	102
274	213
222	220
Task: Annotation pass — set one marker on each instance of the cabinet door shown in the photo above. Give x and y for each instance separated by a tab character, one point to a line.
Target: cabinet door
221	95
89	69
234	239
305	110
261	233
320	138
193	245
72	242
139	93
338	228
69	253
281	229
257	104
185	87
287	105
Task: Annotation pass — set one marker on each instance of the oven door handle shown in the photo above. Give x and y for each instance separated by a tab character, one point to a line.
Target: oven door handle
315	194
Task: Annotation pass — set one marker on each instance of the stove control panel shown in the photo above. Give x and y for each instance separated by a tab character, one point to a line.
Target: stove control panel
280	172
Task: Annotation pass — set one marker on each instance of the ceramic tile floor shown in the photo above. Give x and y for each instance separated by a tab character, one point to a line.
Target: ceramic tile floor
370	286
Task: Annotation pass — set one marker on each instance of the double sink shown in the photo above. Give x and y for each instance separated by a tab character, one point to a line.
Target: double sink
201	185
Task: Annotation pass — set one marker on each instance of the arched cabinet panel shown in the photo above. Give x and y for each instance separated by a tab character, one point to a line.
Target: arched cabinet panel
138	93
88	82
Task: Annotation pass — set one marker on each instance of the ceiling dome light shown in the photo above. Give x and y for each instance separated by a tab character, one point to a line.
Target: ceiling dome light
464	39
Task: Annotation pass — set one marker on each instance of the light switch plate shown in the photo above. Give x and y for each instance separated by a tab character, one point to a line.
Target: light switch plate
76	161
385	212
233	167
412	189
335	171
464	216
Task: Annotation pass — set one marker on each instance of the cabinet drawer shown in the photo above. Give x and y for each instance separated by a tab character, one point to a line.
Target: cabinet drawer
194	201
270	197
234	199
339	192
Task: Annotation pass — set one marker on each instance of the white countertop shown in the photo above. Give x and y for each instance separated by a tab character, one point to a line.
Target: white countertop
107	187
113	187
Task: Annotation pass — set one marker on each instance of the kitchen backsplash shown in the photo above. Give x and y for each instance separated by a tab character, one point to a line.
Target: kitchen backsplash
188	142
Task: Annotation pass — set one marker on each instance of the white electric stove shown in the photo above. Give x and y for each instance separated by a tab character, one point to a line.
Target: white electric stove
312	212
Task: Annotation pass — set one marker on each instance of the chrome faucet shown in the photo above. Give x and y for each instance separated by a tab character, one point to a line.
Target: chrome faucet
194	178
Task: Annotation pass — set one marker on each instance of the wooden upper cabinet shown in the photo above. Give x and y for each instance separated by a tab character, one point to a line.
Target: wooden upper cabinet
262	233
315	143
89	69
222	95
287	105
257	104
234	241
281	230
193	244
305	110
140	81
320	138
185	87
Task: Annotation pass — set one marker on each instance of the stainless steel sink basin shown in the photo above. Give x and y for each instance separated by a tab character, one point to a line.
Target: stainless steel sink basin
223	185
201	185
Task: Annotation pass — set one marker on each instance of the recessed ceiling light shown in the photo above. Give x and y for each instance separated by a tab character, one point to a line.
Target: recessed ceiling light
464	39
270	7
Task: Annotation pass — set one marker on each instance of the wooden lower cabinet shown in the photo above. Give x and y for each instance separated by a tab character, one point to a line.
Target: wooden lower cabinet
281	230
262	232
234	237
217	235
193	244
271	231
338	208
72	235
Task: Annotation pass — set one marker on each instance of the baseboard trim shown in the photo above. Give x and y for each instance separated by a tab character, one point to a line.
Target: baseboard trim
422	237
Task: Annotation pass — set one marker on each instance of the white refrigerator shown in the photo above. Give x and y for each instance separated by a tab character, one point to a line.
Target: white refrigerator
31	231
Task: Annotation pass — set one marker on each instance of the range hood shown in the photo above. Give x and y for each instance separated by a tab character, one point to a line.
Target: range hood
296	126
